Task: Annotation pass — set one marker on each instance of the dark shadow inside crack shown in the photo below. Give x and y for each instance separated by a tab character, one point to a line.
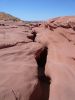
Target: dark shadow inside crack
41	91
41	61
32	36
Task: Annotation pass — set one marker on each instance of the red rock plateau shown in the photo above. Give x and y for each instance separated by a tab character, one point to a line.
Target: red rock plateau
37	59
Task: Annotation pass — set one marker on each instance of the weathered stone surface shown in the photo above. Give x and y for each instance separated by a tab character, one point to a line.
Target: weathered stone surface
60	64
37	62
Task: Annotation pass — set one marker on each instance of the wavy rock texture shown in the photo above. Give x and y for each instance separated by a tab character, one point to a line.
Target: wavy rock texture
37	60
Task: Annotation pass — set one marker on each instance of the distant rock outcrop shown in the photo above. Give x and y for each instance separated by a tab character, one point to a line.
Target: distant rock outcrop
37	59
6	17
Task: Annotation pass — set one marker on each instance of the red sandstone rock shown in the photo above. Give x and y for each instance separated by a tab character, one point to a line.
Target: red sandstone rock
37	63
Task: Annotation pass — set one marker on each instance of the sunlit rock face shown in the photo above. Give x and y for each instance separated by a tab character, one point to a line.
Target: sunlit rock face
37	60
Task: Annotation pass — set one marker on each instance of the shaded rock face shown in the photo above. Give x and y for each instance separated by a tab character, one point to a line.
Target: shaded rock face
37	61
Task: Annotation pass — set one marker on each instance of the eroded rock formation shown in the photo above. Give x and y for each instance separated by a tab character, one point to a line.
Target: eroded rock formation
37	61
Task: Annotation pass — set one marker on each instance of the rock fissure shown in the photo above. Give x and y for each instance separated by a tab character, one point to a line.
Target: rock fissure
32	36
41	61
6	45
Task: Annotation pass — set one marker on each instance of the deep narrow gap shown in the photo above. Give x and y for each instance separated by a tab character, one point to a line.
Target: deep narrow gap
42	89
32	36
41	61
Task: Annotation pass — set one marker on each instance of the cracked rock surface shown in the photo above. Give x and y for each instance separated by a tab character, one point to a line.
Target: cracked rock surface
37	61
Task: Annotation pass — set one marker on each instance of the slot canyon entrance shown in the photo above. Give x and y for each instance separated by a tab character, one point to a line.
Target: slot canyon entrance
41	59
42	90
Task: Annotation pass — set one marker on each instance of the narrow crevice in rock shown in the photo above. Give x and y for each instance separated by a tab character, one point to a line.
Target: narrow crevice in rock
32	36
41	61
6	45
41	91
